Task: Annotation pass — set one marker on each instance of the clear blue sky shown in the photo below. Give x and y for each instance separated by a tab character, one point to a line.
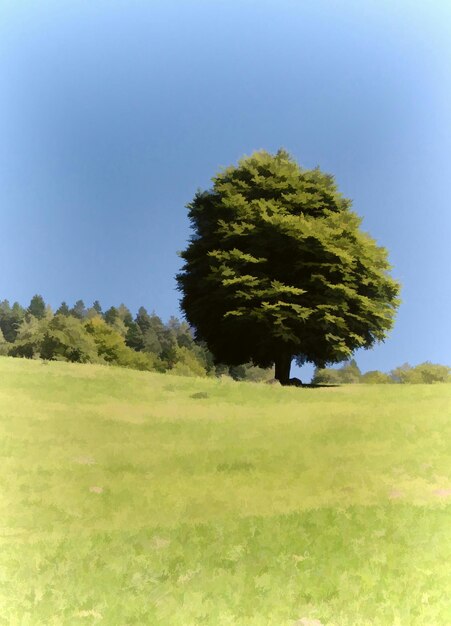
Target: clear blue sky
113	113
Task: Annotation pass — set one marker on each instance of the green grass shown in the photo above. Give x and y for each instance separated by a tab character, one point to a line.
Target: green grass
145	499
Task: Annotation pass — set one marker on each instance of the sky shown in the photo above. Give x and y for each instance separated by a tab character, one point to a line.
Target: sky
114	113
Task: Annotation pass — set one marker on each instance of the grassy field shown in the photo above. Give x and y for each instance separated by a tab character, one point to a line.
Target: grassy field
146	499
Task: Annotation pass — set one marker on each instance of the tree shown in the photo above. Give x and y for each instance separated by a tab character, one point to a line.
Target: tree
350	372
424	373
125	315
10	319
187	363
111	315
37	307
250	372
78	310
110	344
375	377
97	307
143	320
112	349
29	338
134	337
278	268
65	339
113	319
326	376
63	309
4	345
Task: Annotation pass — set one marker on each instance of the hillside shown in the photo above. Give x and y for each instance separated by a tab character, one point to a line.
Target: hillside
137	498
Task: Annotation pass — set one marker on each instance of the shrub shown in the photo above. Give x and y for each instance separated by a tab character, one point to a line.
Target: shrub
375	377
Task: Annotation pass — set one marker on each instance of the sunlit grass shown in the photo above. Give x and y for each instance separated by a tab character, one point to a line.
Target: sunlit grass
137	498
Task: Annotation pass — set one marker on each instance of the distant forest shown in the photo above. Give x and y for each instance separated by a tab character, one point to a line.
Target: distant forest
144	342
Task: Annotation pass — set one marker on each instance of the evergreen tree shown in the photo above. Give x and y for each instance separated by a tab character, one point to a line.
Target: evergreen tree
17	317
6	321
111	315
63	309
278	268
96	306
125	315
143	320
37	308
78	310
4	345
134	337
113	319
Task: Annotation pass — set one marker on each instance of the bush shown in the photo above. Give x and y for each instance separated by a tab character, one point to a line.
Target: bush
326	376
187	363
375	377
424	373
251	372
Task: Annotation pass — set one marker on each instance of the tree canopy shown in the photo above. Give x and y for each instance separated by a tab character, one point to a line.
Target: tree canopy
278	268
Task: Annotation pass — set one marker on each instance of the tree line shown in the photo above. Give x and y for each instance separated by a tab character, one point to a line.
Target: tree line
350	373
90	335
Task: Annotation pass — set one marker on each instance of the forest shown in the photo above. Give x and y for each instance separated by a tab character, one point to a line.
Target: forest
144	342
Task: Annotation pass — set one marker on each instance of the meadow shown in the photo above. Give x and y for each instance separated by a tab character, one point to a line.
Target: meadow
133	498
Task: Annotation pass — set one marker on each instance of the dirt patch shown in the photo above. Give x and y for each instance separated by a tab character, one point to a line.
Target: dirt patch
85	460
443	493
96	489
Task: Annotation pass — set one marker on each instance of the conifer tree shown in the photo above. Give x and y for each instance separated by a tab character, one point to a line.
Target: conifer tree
78	310
63	309
37	307
97	307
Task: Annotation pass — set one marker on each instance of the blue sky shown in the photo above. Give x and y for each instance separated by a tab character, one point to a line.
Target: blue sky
112	114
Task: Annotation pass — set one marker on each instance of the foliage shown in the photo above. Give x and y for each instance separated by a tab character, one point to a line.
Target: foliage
125	315
97	307
110	344
63	309
10	319
4	345
375	377
187	364
146	343
65	338
79	310
37	308
424	373
134	337
348	373
29	338
326	376
251	373
278	267
60	337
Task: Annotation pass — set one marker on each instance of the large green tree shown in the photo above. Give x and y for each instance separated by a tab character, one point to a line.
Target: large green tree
278	268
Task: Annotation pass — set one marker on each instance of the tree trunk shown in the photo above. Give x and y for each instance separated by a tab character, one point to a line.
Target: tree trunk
282	368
